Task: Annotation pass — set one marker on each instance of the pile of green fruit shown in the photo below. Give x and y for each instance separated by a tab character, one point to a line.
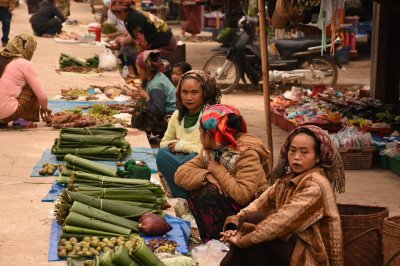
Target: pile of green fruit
90	246
49	169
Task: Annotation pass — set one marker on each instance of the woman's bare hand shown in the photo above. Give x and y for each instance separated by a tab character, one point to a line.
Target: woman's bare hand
228	234
212	180
135	92
44	112
171	145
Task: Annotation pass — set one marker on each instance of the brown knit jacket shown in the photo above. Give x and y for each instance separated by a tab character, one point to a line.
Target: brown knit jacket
247	179
7	3
305	206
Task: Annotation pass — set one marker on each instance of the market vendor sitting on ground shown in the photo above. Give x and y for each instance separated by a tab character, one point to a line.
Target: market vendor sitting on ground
228	172
22	96
181	141
155	98
295	221
47	21
148	31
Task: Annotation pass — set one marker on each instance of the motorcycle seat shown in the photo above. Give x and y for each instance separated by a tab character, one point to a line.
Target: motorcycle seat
288	47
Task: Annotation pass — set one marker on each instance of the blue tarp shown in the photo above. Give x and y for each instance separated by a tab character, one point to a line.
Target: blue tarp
180	233
53	193
147	155
60	106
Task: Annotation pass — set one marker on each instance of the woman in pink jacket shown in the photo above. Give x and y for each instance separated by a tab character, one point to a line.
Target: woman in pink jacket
22	96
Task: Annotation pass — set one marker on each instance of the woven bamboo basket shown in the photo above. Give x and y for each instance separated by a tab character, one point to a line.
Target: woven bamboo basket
391	241
362	232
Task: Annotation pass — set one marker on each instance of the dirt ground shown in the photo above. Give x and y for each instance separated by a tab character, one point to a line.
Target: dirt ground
25	221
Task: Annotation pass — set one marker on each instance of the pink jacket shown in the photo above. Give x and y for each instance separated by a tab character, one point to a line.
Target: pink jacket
17	74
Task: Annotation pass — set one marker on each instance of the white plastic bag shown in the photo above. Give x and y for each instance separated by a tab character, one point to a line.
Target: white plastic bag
107	60
210	254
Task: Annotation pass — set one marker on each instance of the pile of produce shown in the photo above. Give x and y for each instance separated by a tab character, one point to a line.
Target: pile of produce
97	114
327	107
95	143
49	169
70	63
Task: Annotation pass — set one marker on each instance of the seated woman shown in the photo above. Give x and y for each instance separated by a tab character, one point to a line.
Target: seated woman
156	101
181	141
296	220
22	96
47	20
227	174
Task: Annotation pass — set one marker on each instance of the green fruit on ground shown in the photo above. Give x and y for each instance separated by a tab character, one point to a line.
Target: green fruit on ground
62	253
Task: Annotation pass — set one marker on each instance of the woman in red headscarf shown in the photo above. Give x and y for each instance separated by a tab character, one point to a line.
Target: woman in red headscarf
228	172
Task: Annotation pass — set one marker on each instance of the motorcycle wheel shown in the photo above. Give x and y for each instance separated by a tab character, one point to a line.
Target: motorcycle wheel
323	71
225	72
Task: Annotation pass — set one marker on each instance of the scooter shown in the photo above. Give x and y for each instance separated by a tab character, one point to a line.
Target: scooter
299	62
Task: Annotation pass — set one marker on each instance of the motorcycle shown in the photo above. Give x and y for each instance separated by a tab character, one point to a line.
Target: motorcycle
299	62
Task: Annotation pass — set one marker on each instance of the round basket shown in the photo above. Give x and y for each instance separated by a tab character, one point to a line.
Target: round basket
391	241
362	234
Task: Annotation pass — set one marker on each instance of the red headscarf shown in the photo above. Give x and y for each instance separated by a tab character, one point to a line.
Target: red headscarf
215	119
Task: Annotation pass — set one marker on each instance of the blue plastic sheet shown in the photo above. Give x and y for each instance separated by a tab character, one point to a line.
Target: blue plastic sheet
53	193
180	233
60	106
147	155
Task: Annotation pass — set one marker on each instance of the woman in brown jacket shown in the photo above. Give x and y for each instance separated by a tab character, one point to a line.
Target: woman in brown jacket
296	221
228	172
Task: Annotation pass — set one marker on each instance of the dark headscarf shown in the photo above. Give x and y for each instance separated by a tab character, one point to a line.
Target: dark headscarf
211	93
329	158
121	5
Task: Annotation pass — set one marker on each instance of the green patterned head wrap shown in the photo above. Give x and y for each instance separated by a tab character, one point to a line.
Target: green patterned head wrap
22	45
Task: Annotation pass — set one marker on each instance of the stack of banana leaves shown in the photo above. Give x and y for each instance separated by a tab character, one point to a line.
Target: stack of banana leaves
92	202
132	169
95	143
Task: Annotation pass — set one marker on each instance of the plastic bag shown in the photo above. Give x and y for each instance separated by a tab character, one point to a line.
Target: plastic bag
210	254
107	60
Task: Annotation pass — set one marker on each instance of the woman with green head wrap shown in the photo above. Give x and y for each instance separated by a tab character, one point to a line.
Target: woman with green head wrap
22	95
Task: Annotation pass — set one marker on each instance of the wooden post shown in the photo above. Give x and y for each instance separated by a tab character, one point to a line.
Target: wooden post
265	77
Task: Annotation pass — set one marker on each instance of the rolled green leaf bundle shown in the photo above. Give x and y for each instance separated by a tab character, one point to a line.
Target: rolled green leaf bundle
121	257
92	153
99	130
143	254
82	236
106	259
79	220
72	140
126	209
90	165
69	229
91	212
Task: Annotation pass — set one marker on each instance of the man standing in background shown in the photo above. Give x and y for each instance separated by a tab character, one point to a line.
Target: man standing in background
6	9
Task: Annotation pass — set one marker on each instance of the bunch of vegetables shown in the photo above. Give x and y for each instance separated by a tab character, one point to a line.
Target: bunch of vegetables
71	61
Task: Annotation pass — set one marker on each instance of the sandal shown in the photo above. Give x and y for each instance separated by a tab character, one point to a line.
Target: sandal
22	123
